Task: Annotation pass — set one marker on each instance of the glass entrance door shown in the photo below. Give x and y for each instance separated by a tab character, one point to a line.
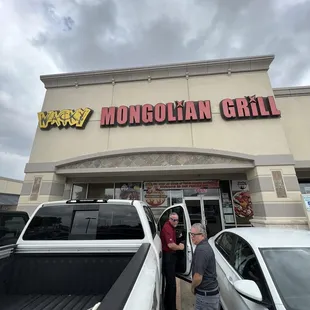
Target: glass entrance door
205	210
212	214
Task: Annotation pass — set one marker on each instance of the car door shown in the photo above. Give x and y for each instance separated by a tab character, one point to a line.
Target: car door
245	265
223	245
185	257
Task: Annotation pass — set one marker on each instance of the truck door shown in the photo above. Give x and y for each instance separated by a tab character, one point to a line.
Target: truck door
184	258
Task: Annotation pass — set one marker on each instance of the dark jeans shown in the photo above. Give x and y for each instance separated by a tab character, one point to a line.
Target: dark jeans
169	264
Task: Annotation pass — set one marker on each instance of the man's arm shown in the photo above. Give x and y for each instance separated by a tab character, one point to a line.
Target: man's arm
175	247
197	278
171	245
199	267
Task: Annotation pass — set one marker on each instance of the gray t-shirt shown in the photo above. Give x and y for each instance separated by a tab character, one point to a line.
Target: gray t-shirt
204	264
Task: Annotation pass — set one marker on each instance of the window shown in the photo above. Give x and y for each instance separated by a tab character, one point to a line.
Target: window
289	270
247	266
50	223
179	211
194	210
176	196
130	191
119	222
201	192
79	191
225	244
99	190
164	218
304	186
85	222
151	220
10	228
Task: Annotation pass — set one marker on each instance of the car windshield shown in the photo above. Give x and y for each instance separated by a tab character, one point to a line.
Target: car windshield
290	271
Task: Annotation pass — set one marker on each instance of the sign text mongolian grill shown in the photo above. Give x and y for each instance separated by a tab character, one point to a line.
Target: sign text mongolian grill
188	111
147	114
249	107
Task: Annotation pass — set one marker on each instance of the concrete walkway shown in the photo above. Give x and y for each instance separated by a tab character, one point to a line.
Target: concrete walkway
187	299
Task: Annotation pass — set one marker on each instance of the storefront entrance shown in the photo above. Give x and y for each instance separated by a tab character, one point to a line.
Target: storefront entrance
206	210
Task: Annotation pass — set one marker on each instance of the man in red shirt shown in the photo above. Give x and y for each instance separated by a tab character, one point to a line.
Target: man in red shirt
169	246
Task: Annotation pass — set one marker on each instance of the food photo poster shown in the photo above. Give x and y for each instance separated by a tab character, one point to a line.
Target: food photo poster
242	203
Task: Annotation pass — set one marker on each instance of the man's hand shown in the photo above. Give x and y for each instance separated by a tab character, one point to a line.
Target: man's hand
181	246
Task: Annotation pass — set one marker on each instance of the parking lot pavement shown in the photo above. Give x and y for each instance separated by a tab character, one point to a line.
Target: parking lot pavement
178	298
187	299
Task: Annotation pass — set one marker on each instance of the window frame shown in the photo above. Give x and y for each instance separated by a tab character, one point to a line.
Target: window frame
227	257
70	217
147	211
266	299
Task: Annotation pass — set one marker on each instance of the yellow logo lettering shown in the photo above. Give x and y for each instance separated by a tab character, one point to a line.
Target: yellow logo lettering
64	118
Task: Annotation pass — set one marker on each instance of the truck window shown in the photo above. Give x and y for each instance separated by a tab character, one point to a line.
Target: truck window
10	227
151	220
85	222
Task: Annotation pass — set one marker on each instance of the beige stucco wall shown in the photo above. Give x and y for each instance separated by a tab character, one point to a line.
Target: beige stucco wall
255	137
10	186
295	121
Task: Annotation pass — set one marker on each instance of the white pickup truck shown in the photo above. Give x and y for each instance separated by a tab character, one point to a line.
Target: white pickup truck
90	254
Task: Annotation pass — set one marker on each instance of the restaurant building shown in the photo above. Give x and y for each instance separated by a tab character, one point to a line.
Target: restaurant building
214	134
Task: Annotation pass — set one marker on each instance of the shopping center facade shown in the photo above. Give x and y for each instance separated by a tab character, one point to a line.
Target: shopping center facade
213	134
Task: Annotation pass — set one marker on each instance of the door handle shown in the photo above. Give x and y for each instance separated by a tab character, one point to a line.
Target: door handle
230	280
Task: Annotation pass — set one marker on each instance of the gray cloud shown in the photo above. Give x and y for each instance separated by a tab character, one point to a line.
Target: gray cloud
222	29
74	35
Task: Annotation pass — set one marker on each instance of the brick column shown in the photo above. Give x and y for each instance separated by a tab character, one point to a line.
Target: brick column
276	198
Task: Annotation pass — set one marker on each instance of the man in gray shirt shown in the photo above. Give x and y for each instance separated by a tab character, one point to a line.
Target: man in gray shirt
204	278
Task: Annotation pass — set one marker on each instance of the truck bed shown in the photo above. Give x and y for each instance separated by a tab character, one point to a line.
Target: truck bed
49	302
58	281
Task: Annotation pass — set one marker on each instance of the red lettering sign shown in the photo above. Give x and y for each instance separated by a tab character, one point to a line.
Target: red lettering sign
227	108
122	115
134	114
242	107
204	108
108	116
189	111
160	113
273	107
249	107
171	112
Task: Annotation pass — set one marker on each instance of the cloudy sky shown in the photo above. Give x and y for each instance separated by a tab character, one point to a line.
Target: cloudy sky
52	36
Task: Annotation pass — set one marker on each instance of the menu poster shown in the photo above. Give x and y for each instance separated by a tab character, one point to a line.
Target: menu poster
241	200
227	209
155	197
129	191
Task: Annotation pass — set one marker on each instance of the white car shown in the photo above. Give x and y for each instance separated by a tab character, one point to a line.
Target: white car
263	268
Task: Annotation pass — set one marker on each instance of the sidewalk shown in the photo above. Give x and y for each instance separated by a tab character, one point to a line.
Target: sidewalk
185	298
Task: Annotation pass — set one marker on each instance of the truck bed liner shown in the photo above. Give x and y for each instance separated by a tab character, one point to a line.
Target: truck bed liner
49	302
64	281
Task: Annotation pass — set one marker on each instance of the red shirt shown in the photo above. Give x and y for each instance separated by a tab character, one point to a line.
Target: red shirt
167	235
